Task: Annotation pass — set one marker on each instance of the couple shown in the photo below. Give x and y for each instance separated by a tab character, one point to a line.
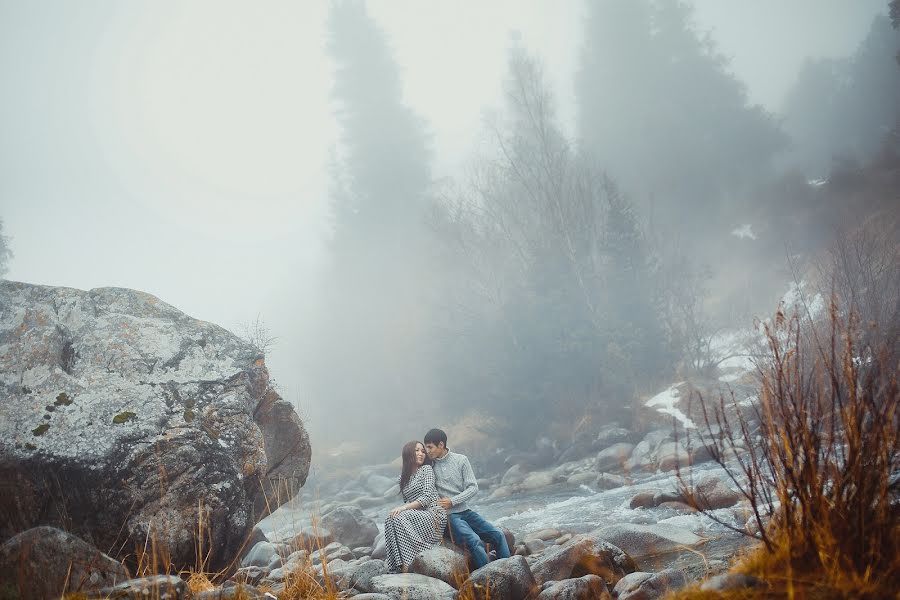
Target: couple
436	484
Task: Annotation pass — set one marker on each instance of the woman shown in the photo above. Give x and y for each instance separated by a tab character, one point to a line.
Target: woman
419	524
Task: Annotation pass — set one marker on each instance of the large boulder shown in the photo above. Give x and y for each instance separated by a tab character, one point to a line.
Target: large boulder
503	579
44	563
127	421
584	554
350	526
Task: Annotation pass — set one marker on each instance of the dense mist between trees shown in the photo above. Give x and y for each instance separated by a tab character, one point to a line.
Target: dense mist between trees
563	277
591	245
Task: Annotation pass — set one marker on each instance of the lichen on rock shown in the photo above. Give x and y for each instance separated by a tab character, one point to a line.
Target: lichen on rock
159	422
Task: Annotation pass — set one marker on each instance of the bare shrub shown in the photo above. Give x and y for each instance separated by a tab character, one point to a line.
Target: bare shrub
815	458
258	335
862	268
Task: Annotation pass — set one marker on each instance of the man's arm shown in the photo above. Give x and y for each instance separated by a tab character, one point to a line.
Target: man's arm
471	485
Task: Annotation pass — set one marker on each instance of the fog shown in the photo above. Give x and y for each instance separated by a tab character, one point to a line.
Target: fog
320	167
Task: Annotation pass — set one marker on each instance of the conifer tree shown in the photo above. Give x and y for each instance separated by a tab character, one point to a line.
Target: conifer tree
374	289
659	108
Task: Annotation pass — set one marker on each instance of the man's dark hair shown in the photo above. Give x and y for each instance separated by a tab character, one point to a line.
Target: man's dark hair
435	436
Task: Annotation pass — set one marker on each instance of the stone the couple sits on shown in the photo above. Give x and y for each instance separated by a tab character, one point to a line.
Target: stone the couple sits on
436	485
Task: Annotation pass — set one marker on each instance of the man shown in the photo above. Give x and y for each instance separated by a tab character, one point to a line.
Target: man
455	482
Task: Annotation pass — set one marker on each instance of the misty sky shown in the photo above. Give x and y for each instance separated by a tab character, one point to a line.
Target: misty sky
181	148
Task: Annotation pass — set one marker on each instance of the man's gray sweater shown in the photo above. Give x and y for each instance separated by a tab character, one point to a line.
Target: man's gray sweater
455	479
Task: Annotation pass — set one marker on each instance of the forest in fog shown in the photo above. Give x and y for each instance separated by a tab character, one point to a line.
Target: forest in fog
567	275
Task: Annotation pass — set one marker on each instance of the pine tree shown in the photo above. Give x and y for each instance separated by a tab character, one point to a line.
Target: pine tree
370	360
658	107
846	110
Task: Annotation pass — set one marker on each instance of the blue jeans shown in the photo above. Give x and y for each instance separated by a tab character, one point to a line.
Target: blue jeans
469	529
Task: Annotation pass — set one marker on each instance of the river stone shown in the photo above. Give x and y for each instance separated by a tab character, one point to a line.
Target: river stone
233	592
411	586
350	526
588	587
671	455
306	536
251	575
378	548
649	586
260	555
537	480
640	459
378	485
645	540
584	554
544	535
611	481
332	552
441	563
711	493
155	587
643	500
578	449
503	579
730	582
514	475
613	435
45	562
509	536
677	506
588	479
156	422
534	546
614	457
360	577
503	491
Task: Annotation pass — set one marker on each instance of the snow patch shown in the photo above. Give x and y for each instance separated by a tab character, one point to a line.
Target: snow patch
666	402
798	298
745	231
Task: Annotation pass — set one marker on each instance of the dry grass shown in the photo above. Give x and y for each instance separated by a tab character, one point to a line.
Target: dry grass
823	443
304	583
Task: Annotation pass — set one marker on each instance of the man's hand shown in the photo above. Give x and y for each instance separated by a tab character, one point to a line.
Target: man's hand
445	503
396	511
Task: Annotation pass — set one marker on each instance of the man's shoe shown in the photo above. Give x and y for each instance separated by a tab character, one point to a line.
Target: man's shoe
492	555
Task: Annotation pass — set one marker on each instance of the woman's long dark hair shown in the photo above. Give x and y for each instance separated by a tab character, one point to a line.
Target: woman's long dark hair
409	462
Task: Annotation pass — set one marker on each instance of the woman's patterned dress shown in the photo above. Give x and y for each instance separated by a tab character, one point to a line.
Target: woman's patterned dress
411	532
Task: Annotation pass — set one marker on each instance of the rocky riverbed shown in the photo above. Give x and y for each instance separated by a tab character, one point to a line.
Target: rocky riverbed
132	432
623	496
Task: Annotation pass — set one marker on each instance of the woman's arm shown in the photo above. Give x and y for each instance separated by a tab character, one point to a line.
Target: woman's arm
415	505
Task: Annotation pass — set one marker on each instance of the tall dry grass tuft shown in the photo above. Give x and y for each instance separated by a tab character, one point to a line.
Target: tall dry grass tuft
817	459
